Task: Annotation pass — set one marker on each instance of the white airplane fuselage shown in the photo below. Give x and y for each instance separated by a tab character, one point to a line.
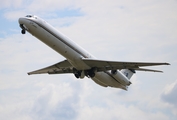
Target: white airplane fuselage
67	48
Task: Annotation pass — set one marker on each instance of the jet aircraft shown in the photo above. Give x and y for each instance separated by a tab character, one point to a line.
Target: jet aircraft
78	61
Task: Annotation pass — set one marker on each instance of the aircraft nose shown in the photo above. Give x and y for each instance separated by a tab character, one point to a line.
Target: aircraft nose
21	20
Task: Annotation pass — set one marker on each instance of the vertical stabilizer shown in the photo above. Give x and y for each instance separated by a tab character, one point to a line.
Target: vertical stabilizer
128	72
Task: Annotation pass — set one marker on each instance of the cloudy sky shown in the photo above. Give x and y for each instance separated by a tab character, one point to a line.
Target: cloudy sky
129	30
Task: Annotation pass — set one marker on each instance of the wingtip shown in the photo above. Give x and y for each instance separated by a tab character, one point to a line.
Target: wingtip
167	63
29	73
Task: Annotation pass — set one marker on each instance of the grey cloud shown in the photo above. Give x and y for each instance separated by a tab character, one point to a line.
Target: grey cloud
53	104
170	94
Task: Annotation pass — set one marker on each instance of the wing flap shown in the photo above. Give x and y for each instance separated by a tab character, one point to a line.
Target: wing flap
58	68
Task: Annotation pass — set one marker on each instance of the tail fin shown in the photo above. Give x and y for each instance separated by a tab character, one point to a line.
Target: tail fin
128	72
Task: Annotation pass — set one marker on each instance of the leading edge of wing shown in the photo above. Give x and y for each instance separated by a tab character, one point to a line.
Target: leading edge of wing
112	65
58	68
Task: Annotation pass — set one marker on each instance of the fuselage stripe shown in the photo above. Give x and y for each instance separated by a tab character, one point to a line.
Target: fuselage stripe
79	52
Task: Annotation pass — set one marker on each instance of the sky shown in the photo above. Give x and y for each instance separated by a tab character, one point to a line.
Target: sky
129	30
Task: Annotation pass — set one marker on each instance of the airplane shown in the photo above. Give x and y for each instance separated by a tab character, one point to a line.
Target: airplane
78	61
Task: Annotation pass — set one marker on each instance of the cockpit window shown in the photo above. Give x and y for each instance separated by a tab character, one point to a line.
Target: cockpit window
29	16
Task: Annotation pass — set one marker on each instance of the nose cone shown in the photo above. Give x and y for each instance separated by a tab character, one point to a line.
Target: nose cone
21	20
23	24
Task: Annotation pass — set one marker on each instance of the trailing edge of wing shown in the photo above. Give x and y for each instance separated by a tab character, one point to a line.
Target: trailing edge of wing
103	65
58	68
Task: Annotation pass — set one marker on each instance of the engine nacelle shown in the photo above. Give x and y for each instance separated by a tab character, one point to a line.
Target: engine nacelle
120	77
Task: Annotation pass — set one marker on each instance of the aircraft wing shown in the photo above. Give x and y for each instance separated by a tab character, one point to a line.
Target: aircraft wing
58	68
103	65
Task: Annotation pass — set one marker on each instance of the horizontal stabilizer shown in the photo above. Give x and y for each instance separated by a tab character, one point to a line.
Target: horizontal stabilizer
148	70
